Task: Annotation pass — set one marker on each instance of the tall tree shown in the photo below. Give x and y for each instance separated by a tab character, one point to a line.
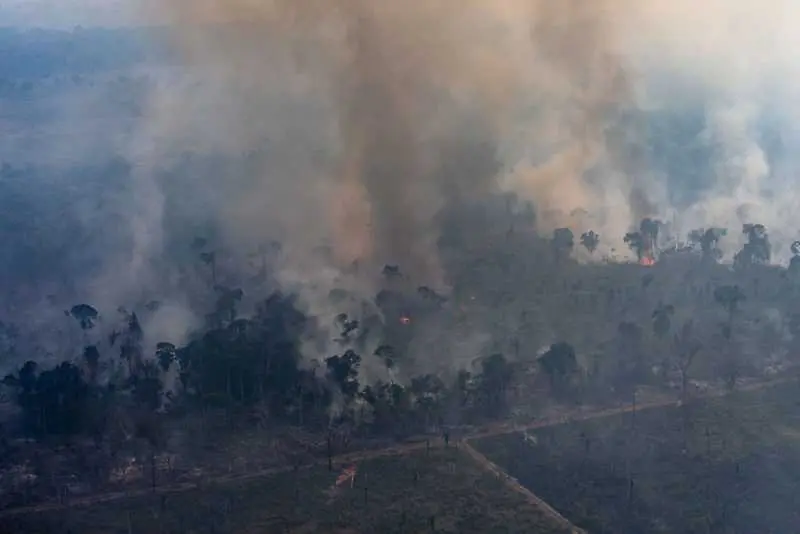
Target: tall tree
649	228
729	297
794	263
563	242
636	242
686	347
92	358
495	378
165	355
85	314
343	370
388	356
559	364
590	240
757	250
708	241
662	319
131	348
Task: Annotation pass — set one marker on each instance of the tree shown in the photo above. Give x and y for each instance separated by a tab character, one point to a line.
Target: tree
631	369
662	324
85	314
149	428
649	229
147	388
131	348
92	358
343	370
165	355
427	390
636	243
463	387
590	240
53	402
264	252
708	240
643	243
563	242
225	308
495	377
686	347
559	364
208	257
662	319
391	272
757	249
729	297
429	295
24	384
388	356
9	335
794	263
348	327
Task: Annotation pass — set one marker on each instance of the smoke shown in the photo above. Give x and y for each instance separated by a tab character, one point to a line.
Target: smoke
367	118
373	115
565	93
344	129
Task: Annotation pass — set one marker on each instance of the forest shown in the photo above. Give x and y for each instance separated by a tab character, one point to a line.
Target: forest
241	373
184	298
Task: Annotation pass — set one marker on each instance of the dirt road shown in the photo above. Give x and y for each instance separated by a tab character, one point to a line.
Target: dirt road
513	484
424	442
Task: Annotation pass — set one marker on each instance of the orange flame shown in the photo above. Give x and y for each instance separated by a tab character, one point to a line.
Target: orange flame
647	261
348	473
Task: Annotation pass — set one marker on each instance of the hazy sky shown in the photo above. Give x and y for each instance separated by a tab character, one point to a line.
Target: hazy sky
64	13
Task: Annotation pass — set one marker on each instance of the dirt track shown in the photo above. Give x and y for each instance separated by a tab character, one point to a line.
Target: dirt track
514	485
491	430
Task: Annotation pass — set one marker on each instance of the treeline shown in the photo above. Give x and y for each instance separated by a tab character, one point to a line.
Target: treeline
239	364
248	365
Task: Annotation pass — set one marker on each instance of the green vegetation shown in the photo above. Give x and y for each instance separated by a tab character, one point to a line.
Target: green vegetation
438	491
726	465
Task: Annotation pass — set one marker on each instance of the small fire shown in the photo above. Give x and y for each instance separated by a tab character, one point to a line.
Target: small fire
647	261
348	474
405	320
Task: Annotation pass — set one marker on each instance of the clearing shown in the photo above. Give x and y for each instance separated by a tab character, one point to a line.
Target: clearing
728	464
441	490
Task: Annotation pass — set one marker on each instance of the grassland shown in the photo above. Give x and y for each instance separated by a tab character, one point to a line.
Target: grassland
442	488
727	465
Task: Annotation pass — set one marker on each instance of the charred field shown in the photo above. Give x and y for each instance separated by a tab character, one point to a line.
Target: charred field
726	464
441	490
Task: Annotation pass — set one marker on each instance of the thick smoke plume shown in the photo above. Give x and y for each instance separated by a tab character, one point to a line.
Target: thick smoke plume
563	92
375	116
403	109
360	123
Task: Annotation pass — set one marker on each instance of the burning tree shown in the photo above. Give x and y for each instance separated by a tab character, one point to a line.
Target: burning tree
636	243
644	242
